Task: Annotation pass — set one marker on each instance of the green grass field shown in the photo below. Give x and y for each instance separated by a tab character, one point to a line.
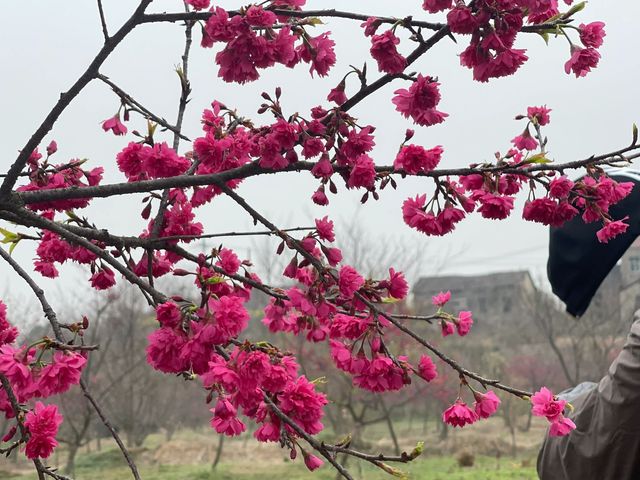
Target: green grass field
189	453
108	466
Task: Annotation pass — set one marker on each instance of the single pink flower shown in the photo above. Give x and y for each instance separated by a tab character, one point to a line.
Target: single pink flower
459	415
582	61
441	299
560	187
349	281
561	426
540	114
419	102
426	368
461	20
611	230
43	423
463	325
383	50
434	6
103	279
115	125
324	228
448	328
592	34
199	4
544	405
486	404
525	141
311	461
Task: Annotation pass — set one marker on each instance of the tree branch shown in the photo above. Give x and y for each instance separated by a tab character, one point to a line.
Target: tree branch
55	325
103	22
253	169
67	97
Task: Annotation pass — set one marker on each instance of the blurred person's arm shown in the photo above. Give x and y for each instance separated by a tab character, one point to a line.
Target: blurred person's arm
606	442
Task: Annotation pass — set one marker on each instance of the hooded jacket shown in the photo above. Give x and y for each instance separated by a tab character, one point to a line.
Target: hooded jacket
606	442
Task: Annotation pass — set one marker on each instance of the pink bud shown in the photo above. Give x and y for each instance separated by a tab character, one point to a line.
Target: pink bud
311	461
52	148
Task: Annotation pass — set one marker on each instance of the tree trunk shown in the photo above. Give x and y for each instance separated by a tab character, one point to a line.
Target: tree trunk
70	467
392	431
216	460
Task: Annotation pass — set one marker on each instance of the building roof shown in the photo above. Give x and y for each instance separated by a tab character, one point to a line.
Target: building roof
453	282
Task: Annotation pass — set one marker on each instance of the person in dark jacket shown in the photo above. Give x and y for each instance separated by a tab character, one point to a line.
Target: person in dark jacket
605	444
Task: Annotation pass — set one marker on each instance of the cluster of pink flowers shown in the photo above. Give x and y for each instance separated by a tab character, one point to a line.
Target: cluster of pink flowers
52	249
42	423
243	381
32	378
251	43
460	414
494	26
545	405
46	176
186	343
449	323
493	194
419	102
141	162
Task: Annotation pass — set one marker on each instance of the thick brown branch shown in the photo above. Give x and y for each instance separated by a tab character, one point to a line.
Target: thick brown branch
253	169
328	13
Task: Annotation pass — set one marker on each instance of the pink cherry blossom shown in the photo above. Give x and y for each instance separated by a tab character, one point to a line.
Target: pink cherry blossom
324	228
225	419
349	281
311	461
592	34
461	20
544	405
464	323
441	299
199	4
434	6
419	102
319	52
415	159
560	187
447	328
486	404
115	125
459	415
496	207
383	50
43	423
611	230
61	374
582	61
561	426
525	141
8	333
427	369
363	173
103	279
337	94
539	114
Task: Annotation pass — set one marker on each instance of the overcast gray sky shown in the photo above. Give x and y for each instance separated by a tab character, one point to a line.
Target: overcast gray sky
45	45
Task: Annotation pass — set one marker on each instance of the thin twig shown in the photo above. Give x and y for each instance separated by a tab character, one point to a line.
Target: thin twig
103	22
138	107
295	244
67	97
